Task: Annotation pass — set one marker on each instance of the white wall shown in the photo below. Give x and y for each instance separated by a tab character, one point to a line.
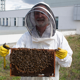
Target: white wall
65	15
62	3
18	14
12	21
12	30
9	21
14	13
20	21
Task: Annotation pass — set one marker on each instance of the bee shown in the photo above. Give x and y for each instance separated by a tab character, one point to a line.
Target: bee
31	60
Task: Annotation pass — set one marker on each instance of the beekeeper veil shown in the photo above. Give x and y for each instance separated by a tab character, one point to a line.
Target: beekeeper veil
40	21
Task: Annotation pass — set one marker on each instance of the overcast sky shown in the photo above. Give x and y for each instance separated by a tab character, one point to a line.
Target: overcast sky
20	4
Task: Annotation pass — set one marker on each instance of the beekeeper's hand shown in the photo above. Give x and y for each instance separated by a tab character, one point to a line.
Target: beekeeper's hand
61	53
4	51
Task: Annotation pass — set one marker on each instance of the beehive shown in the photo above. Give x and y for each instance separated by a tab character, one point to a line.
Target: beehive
32	62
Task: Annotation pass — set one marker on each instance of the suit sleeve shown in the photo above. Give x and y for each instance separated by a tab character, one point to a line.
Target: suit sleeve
66	62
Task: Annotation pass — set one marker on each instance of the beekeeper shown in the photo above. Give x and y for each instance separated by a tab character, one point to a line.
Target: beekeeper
42	34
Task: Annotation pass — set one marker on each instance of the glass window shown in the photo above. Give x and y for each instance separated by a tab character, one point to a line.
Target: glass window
14	21
23	21
3	21
56	22
6	21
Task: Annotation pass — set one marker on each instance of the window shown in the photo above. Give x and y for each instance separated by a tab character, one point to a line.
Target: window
0	21
3	21
23	21
6	21
76	12
14	21
56	22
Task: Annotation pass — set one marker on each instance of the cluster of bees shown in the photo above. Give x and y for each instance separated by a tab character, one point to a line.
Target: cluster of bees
30	60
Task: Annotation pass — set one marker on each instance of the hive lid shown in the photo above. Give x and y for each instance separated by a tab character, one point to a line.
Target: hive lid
32	62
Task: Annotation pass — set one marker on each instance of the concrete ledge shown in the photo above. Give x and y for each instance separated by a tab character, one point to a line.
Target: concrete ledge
72	32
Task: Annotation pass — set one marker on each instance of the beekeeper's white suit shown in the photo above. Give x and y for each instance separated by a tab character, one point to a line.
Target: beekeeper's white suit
50	39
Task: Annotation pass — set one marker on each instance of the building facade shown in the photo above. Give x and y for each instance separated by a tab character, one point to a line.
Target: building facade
13	18
67	14
62	3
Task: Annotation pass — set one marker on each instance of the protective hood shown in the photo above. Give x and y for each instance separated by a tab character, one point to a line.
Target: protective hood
40	17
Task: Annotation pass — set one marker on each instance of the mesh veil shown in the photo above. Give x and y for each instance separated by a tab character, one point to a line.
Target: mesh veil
31	24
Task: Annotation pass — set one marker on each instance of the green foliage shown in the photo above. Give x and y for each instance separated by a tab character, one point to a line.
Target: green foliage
73	72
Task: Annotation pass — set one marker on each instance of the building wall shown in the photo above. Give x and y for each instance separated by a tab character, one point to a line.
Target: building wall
20	20
14	13
18	14
64	15
62	3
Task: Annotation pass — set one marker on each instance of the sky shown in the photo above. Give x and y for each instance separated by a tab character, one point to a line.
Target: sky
20	4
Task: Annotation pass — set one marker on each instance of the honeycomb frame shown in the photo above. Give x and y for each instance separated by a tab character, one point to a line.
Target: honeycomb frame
44	68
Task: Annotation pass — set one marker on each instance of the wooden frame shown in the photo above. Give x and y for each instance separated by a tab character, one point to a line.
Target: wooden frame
45	73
